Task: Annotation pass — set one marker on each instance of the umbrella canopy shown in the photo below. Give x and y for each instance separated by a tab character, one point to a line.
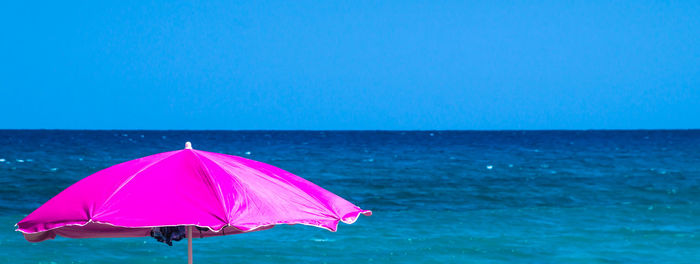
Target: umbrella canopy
221	194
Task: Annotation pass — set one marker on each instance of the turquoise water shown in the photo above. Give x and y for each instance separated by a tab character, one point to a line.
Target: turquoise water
437	197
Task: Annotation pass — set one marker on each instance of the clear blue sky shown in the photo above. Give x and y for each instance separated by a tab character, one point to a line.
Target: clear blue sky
350	65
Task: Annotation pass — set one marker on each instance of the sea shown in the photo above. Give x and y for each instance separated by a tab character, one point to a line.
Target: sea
600	196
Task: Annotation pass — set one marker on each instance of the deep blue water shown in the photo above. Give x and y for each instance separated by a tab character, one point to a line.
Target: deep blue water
437	196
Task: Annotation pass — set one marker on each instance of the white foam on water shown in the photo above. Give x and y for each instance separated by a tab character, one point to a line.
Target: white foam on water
54	169
20	160
489	167
247	152
2	160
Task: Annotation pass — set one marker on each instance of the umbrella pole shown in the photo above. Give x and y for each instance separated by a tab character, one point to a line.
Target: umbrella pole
189	245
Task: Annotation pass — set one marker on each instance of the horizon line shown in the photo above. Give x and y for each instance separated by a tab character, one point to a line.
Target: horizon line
353	130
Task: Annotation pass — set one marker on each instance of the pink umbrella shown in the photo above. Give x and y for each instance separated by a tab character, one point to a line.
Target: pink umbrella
217	193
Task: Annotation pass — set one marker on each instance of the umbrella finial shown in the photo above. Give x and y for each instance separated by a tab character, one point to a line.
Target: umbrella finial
188	145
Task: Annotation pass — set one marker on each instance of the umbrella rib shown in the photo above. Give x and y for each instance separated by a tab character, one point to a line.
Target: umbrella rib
132	177
309	198
313	199
220	195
